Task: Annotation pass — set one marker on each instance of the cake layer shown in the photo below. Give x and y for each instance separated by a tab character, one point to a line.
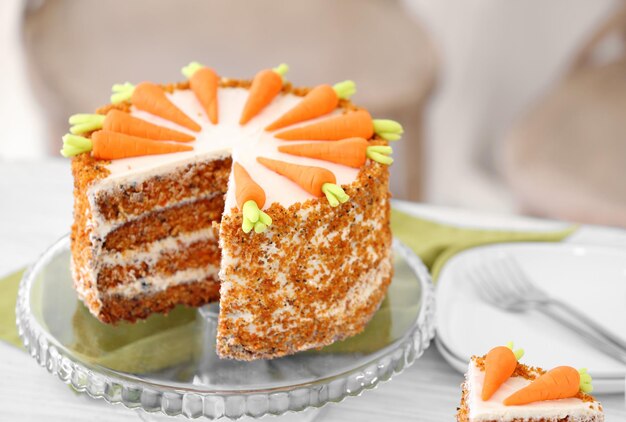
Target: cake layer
130	308
153	226
582	408
316	276
122	201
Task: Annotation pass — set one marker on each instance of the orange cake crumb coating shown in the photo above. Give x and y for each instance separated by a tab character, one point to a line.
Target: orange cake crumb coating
321	255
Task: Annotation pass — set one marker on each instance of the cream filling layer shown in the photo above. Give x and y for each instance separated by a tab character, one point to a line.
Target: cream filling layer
493	409
156	283
151	252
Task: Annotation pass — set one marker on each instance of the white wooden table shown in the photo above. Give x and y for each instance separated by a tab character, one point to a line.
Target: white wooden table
35	210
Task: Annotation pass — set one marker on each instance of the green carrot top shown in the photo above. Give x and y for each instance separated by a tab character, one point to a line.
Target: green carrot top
122	92
345	89
585	381
281	69
191	68
519	353
388	129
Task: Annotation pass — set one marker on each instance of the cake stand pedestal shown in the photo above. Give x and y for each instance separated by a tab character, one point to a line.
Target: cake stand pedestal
166	367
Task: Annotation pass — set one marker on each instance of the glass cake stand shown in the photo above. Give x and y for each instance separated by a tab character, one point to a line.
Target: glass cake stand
167	365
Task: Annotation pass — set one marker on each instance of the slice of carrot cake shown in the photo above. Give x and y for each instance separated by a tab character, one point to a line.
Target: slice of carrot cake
272	199
499	389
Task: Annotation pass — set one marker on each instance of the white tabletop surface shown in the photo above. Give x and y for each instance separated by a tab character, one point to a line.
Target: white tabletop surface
35	210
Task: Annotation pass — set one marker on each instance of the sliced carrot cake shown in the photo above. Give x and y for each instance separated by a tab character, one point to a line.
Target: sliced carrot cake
273	200
498	388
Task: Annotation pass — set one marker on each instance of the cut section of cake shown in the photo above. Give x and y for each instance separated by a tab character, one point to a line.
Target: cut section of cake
529	394
186	194
144	244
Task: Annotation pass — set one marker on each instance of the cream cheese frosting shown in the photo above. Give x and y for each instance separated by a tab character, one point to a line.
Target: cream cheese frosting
493	409
226	138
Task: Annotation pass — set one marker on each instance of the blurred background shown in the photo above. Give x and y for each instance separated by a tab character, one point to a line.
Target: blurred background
509	106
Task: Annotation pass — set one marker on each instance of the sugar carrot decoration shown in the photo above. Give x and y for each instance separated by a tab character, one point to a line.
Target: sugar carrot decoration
319	101
204	83
315	180
357	123
266	85
250	199
122	122
352	124
500	363
351	152
151	98
559	383
107	145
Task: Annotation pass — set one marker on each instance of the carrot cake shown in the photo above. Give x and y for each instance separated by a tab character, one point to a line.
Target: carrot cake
272	199
499	389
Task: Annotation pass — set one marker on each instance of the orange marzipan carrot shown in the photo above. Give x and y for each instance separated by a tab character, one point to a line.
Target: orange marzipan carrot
204	83
352	124
559	383
319	101
111	145
266	85
151	98
309	178
500	363
247	189
349	152
122	122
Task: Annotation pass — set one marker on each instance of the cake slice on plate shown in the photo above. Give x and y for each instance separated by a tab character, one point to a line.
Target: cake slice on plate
497	388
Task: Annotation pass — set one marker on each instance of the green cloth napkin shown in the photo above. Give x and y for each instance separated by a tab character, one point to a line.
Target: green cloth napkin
8	296
435	243
164	341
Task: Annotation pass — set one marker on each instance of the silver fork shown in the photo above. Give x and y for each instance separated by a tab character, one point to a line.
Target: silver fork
504	284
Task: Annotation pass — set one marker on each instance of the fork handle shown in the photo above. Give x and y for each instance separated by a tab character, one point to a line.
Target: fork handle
602	339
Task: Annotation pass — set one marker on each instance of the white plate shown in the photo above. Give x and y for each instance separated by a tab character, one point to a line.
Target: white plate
591	278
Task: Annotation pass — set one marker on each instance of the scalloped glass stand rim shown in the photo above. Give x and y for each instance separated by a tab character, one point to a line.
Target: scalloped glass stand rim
193	400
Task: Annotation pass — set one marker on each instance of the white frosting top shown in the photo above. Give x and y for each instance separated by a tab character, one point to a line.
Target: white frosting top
494	409
228	137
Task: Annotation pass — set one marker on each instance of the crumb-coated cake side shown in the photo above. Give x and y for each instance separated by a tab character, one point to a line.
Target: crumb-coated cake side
316	277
